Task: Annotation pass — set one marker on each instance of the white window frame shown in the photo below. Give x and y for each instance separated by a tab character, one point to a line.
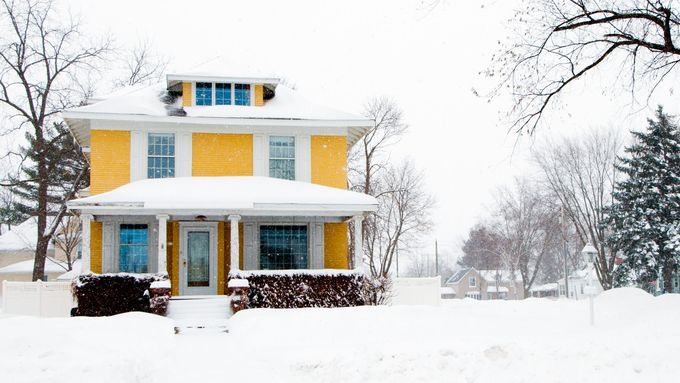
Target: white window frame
310	239
146	151
472	281
295	154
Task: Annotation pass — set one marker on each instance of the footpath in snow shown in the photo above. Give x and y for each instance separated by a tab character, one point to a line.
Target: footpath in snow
636	339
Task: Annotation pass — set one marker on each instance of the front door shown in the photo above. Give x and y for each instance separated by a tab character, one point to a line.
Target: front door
198	258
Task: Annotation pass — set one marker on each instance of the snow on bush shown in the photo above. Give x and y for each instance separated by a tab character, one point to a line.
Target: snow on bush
111	294
303	288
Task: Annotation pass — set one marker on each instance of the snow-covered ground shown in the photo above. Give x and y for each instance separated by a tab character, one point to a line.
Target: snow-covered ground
636	339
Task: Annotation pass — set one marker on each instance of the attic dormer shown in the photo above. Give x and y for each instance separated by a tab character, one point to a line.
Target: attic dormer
218	90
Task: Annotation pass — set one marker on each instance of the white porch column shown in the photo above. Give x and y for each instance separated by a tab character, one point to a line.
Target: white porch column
358	242
234	244
162	243
85	220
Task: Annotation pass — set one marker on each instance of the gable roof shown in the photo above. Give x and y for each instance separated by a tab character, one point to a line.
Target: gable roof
458	275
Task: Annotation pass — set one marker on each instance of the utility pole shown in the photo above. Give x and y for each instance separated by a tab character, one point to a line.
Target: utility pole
436	258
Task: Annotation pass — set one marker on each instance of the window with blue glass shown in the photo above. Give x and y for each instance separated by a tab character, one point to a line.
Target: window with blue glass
203	93
283	247
161	155
222	94
242	94
282	157
133	247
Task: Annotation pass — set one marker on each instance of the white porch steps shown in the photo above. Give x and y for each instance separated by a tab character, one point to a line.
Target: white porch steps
200	313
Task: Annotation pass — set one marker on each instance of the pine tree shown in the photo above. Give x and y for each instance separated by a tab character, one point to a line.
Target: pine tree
645	215
64	162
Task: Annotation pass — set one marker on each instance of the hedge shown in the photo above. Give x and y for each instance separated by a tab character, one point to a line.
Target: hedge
303	288
111	294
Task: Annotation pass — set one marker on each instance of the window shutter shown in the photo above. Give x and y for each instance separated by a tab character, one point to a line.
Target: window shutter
108	246
260	166
250	253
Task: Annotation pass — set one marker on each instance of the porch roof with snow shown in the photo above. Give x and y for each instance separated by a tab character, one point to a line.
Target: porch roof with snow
246	195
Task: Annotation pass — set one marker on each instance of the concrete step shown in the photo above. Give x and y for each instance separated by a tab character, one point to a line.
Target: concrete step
200	314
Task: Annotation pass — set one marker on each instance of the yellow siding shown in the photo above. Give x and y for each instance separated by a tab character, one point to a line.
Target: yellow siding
173	255
186	94
215	154
96	247
259	95
221	266
110	160
335	246
329	161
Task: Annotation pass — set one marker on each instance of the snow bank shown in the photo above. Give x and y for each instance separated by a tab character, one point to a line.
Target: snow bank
536	340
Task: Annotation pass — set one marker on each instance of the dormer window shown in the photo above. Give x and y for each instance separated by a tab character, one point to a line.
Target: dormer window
208	94
242	94
222	94
203	93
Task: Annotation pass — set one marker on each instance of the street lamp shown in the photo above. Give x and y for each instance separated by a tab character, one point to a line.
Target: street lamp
589	252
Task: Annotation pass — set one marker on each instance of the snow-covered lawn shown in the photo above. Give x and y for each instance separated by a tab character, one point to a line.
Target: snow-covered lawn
636	339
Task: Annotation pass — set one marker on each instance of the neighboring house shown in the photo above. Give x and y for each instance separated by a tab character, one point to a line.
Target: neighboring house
578	280
548	290
447	292
18	244
485	284
212	172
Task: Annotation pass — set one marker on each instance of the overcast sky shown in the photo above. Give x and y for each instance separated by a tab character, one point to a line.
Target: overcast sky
342	53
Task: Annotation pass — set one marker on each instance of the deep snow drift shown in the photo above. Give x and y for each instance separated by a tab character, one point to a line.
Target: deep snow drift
636	339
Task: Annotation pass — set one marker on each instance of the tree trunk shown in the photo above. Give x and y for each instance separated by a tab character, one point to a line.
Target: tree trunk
667	278
43	179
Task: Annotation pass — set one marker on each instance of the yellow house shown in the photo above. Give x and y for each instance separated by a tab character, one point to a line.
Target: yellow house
205	174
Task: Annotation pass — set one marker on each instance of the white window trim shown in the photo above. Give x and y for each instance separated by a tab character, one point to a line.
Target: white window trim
176	135
310	240
470	281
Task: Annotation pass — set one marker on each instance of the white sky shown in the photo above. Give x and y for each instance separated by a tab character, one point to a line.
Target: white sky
343	52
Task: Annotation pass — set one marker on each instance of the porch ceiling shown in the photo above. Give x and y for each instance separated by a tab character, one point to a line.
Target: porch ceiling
255	196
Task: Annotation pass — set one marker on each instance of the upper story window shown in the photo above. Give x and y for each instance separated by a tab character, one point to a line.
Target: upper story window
161	155
204	93
133	249
222	94
208	94
242	94
282	157
472	282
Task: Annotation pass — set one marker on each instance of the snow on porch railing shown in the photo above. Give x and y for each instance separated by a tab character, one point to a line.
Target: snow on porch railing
44	299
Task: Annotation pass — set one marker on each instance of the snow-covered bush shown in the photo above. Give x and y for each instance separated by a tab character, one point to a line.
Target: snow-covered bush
303	288
111	294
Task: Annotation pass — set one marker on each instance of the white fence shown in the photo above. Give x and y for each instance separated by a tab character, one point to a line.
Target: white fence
416	291
44	299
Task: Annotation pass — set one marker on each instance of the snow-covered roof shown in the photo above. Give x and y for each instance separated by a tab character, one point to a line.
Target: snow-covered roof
225	69
51	266
23	236
502	275
227	195
287	108
458	275
448	290
494	289
545	287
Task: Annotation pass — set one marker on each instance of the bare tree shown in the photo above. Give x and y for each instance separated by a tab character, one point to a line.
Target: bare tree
581	173
142	66
402	217
561	41
482	248
528	223
67	237
41	54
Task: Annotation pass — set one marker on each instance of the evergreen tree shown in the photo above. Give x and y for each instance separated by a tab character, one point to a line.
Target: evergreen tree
645	215
64	163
